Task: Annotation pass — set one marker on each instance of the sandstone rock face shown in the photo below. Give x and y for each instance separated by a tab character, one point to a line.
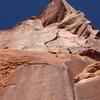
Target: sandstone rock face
90	71
53	56
88	89
30	76
72	32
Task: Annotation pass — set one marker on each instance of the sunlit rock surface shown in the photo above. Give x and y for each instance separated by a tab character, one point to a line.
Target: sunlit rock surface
53	56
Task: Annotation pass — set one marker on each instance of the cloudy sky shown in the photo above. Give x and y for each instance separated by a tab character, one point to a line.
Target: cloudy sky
13	11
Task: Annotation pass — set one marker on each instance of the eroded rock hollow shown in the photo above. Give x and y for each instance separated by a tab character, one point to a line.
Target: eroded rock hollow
53	56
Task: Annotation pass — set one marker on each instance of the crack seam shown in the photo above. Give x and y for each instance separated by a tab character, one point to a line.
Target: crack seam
55	38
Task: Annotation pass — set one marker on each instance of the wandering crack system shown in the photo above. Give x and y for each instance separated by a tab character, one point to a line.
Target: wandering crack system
55	38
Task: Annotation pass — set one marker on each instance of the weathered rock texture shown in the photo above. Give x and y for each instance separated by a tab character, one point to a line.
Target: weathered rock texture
53	56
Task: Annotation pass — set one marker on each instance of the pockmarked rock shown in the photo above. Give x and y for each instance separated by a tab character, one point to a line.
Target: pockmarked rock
29	75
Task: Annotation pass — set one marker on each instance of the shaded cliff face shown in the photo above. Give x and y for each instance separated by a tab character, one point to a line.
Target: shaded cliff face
53	56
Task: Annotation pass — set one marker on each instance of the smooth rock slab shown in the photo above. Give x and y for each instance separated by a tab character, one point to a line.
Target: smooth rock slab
38	82
88	89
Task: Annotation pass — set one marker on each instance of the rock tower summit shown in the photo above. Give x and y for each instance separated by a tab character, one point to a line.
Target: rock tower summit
59	28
